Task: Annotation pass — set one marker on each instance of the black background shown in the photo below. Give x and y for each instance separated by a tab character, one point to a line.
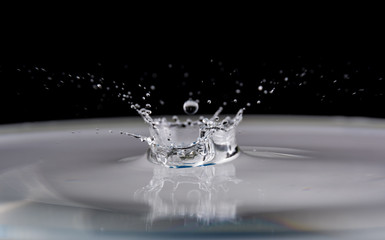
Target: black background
332	56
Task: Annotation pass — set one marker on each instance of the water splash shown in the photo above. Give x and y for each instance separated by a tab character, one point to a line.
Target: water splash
188	143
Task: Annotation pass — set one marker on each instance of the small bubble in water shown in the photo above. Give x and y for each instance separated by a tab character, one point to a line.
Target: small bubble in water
110	131
148	94
99	85
148	105
209	101
152	87
235	100
161	102
238	91
190	107
170	65
259	102
260	88
248	104
186	74
224	103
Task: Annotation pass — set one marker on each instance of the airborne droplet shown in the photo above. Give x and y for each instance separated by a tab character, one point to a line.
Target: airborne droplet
190	107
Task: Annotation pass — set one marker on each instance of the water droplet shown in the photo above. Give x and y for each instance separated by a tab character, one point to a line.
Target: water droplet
152	87
235	100
238	91
161	102
186	75
209	101
248	104
260	88
286	79
170	65
190	107
148	94
99	86
259	102
110	131
224	103
148	105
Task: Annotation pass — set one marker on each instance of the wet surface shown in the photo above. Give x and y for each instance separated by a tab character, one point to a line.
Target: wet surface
295	177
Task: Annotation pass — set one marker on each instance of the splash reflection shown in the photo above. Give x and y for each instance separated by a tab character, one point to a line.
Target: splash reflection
199	194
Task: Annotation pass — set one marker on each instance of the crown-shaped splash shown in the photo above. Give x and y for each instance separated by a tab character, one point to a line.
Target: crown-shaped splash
188	143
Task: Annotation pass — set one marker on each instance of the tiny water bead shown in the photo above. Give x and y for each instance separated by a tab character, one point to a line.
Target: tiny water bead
190	107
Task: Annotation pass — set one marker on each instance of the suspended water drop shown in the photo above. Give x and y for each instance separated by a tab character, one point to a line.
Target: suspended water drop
259	102
148	94
152	87
237	91
235	100
148	105
190	107
260	88
209	101
248	104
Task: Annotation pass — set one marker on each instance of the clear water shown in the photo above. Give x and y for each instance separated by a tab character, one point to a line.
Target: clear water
190	143
309	178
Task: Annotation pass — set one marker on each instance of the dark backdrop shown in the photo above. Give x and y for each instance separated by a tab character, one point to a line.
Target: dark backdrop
309	64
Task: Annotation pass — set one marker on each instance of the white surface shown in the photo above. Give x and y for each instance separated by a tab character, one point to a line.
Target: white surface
297	177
